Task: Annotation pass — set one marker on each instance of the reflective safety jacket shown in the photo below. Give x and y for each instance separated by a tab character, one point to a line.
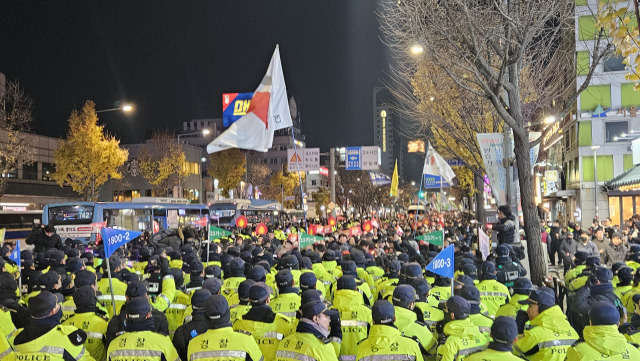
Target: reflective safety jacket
366	277
462	339
511	309
385	289
387	343
627	300
69	309
622	290
573	273
439	293
483	322
142	346
492	355
364	290
6	352
306	347
230	287
286	304
163	300
266	335
96	327
407	322
430	315
53	345
376	273
493	294
602	342
326	278
633	265
119	290
139	267
548	338
355	320
224	344
238	311
332	267
175	311
7	328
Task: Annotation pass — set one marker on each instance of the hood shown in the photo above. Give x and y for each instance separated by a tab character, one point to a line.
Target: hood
404	317
383	335
462	328
552	319
344	299
516	298
318	268
605	339
329	265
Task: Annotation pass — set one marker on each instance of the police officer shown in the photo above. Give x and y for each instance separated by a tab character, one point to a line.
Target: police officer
197	276
472	295
44	338
504	333
311	339
119	287
244	304
404	297
460	337
267	327
221	341
598	289
179	303
601	338
492	293
390	279
385	341
89	318
550	334
233	280
355	317
507	271
521	289
196	326
288	300
349	269
427	314
139	341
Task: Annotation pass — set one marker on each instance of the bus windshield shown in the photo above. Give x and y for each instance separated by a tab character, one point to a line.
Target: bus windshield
72	214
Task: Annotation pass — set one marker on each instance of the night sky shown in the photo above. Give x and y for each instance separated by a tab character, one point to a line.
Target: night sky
174	59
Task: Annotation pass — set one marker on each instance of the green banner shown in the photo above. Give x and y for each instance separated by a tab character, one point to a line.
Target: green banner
435	238
217	233
307	239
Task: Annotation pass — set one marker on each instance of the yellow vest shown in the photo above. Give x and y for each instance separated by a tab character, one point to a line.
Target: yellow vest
96	327
223	344
51	346
142	346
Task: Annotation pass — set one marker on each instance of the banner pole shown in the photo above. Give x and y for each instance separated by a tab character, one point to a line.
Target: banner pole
20	283
304	212
113	299
208	246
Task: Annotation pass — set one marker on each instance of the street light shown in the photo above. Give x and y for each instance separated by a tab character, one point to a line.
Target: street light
417	49
413	183
595	178
204	133
127	108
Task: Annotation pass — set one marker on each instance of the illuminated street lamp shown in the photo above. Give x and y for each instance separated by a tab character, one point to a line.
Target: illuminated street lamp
204	133
417	49
126	107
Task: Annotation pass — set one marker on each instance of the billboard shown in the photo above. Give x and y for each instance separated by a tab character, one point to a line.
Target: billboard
415	146
234	106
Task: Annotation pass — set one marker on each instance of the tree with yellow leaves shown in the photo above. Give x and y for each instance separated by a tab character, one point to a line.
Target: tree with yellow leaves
162	162
621	23
227	167
289	185
88	157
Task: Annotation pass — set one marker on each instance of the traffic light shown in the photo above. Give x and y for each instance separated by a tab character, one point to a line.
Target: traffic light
421	195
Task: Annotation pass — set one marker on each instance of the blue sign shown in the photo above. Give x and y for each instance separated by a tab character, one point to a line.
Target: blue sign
15	255
379	179
442	264
352	158
455	162
433	182
114	238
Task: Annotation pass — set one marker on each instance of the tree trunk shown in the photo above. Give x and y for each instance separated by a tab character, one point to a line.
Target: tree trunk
481	214
537	263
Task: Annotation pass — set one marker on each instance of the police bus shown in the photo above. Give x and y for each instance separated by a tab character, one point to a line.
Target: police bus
19	224
78	220
225	212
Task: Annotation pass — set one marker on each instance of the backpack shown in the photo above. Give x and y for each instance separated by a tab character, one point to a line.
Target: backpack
508	274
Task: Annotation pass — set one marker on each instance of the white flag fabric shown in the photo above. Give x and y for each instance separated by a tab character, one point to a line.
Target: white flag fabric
268	112
434	164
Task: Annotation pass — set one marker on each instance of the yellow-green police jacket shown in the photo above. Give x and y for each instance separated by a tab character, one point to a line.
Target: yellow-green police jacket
96	327
407	322
387	343
142	346
493	294
286	304
483	322
52	345
511	309
267	335
307	347
224	344
430	315
492	355
462	339
175	311
548	338
602	343
355	320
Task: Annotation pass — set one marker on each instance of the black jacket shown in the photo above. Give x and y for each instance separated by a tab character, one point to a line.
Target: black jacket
116	325
586	296
506	230
197	326
42	242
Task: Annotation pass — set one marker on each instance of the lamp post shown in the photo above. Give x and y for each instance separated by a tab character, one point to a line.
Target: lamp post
204	133
127	108
595	178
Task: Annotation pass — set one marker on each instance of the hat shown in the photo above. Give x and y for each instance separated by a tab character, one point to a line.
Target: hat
462	280
358	258
236	265
413	270
349	268
383	312
315	257
290	262
470	270
394	266
329	256
634	248
403	258
581	256
310	296
636	298
593	261
257	273
347	283
41	305
84	278
85	296
243	290
199	297
421	286
470	293
56	256
315	308
258	293
73	253
604	313
539	297
136	289
459	307
196	267
502	250
48	280
216	308
487	268
603	274
308	280
625	274
522	284
213	285
504	330
284	278
305	263
213	271
404	294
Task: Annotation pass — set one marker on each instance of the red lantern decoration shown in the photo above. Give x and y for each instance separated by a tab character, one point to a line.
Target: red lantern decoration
242	222
261	229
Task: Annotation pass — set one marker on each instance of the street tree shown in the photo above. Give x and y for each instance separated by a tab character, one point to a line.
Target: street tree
622	26
15	121
288	184
518	54
322	198
88	157
227	167
162	162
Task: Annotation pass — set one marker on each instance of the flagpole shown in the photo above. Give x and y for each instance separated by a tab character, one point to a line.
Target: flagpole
418	212
304	212
113	299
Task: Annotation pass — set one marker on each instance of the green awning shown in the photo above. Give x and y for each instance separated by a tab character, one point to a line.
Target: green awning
628	179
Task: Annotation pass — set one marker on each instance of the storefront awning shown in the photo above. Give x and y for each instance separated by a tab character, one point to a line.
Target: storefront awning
629	180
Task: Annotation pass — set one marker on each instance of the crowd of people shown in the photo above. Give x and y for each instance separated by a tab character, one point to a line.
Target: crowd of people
348	297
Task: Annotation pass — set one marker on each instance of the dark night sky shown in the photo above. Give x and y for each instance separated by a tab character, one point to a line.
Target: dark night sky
174	59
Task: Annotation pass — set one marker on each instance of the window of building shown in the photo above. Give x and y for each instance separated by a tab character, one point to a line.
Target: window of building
614	63
614	130
11	174
30	171
313	182
47	171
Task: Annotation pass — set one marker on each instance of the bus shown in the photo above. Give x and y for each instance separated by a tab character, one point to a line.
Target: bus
75	219
418	209
225	212
19	224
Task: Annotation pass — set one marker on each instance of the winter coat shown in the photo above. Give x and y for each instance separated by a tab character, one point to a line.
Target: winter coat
601	244
570	246
42	242
603	342
613	254
586	296
506	230
590	248
548	338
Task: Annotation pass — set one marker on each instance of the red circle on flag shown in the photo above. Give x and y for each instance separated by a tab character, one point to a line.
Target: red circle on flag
241	222
332	221
261	228
367	227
